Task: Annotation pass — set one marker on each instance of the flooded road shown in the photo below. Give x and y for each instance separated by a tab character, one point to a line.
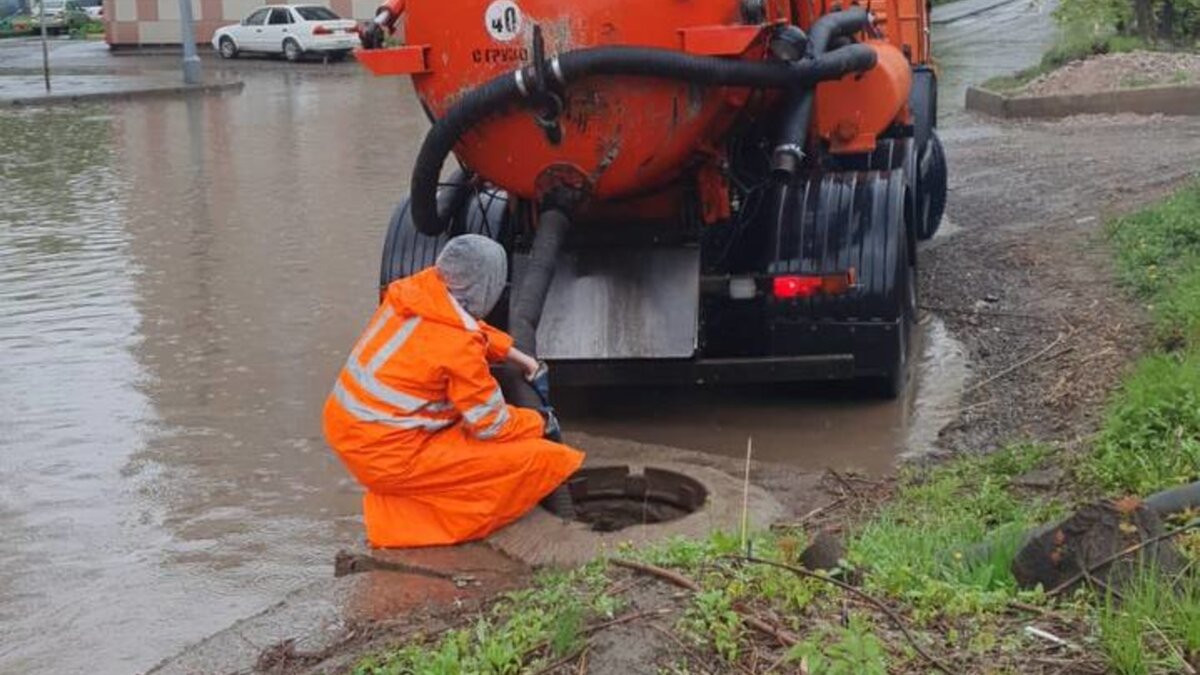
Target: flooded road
179	282
812	426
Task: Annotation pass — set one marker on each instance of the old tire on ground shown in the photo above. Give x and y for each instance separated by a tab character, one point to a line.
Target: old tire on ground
406	251
227	48
292	51
932	193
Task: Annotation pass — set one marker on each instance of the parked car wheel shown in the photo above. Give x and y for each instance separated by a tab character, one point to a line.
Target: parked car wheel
228	50
291	50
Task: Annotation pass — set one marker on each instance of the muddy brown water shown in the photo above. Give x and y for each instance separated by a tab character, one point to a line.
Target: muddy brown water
179	282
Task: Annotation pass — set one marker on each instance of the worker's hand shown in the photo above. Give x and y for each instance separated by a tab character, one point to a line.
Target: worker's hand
552	431
540	380
372	35
527	364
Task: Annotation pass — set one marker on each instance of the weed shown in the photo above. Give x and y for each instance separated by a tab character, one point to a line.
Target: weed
1151	434
711	620
853	650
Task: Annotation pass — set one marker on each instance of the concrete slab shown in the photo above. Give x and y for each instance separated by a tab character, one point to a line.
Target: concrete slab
29	90
541	538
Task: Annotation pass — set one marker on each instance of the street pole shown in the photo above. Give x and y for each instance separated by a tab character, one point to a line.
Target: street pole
45	47
187	35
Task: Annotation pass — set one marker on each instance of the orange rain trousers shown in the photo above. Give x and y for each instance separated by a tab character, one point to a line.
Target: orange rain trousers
419	420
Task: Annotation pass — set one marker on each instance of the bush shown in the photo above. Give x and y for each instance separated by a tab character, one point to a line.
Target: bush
1175	22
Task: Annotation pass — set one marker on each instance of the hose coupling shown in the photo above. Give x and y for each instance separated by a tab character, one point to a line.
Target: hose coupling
786	158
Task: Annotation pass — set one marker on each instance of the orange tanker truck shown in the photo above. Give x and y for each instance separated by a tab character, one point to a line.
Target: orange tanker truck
689	190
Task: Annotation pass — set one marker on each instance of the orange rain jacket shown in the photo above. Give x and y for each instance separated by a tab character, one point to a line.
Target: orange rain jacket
419	420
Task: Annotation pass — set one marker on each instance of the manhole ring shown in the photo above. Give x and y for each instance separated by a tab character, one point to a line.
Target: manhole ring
611	498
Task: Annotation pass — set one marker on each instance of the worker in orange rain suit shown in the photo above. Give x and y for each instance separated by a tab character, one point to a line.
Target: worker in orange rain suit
420	421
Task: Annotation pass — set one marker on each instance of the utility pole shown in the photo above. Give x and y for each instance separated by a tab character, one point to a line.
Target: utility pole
45	47
187	35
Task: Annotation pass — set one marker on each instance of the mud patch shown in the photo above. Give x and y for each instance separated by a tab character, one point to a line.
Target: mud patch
1026	282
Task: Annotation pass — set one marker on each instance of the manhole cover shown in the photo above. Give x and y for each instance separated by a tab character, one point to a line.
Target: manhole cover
613	498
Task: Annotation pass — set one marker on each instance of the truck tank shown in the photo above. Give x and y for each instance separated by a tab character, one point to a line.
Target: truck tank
697	190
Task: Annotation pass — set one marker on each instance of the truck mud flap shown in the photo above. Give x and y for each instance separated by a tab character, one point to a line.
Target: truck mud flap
611	303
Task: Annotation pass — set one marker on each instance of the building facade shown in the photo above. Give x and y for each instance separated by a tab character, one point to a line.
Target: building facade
138	23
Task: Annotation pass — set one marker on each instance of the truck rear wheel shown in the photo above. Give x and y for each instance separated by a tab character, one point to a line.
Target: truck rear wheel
893	384
477	211
932	194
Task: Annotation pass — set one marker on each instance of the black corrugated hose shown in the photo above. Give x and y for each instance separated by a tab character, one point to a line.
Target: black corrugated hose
500	92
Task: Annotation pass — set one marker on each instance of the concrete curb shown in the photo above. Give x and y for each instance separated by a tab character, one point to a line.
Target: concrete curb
1172	100
126	94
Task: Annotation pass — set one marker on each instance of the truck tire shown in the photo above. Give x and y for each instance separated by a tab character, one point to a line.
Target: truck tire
851	218
934	186
406	251
893	384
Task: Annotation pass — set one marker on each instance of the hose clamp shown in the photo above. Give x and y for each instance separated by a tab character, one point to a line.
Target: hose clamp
792	149
520	77
556	70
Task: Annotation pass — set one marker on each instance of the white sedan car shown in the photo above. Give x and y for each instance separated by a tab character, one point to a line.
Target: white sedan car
291	30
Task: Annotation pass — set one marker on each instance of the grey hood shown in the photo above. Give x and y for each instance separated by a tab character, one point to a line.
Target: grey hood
474	269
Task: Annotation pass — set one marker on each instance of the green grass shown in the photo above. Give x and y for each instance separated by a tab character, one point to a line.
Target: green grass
1151	435
922	546
1154	625
524	629
1150	438
1158	259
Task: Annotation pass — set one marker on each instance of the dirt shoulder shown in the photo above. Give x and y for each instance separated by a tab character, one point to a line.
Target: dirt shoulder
1026	283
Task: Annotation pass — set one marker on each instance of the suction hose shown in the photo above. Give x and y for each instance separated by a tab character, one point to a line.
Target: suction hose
530	296
572	66
789	151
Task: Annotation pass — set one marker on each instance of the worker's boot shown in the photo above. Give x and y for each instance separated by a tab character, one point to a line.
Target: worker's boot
559	502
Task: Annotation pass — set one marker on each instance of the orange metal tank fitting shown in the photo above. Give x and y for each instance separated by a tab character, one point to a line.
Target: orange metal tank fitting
852	112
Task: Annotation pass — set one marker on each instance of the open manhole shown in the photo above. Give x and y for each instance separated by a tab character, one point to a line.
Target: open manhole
612	498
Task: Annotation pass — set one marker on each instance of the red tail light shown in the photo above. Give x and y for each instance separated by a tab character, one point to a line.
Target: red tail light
795	286
322	30
807	285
